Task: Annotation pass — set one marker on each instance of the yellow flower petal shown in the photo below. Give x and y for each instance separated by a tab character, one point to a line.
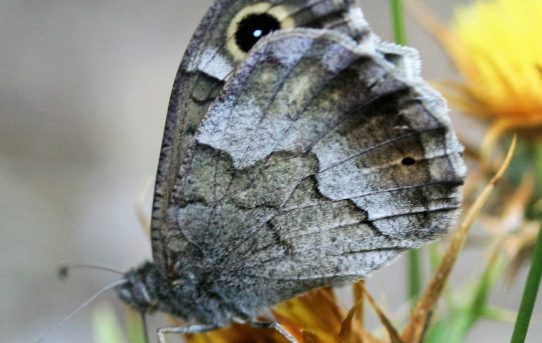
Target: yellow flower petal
496	46
316	311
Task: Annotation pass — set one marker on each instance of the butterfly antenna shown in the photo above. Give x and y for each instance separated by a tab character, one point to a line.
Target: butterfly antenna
80	308
63	271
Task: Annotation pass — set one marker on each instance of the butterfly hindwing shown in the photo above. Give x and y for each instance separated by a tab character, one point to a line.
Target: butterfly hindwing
321	160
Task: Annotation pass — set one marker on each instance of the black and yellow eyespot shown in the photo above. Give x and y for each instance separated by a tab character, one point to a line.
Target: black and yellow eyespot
252	28
253	23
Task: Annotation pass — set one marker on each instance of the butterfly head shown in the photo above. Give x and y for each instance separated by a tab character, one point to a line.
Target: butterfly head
140	290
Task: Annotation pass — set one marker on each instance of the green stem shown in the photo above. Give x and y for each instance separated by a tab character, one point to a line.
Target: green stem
414	256
529	294
399	27
535	274
414	275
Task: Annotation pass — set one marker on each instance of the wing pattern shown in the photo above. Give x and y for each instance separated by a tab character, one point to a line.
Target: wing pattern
321	160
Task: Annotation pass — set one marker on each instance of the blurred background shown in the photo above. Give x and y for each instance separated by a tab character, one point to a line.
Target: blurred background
84	88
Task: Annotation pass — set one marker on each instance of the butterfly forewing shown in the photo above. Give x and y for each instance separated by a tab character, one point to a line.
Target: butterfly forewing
209	61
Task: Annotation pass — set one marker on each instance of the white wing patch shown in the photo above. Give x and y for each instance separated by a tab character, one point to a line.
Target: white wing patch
212	64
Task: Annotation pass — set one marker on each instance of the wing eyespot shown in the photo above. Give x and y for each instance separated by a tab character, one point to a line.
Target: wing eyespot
253	28
254	22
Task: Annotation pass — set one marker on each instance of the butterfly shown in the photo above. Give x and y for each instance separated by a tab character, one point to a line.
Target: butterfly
299	151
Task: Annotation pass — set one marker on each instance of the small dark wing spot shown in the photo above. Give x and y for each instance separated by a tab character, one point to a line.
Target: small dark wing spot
408	161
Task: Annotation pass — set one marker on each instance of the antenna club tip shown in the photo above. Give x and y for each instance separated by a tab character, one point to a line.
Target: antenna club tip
63	272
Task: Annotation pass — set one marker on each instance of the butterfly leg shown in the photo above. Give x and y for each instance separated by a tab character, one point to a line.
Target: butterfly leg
180	330
273	325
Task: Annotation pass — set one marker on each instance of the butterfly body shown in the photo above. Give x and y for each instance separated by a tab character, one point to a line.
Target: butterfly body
299	151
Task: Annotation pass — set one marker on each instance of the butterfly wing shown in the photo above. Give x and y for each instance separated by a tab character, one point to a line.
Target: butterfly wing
207	64
322	159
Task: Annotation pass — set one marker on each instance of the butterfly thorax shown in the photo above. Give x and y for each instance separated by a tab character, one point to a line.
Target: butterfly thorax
182	294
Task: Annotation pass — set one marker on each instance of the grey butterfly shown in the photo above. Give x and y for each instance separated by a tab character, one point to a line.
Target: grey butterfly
299	151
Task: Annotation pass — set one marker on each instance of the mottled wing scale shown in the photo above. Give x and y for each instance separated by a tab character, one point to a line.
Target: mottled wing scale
203	71
322	158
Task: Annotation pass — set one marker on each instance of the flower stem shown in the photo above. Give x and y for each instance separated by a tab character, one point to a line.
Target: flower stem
414	276
399	27
529	294
533	278
414	256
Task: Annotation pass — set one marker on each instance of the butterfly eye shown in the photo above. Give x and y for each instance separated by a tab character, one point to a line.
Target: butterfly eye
252	28
141	296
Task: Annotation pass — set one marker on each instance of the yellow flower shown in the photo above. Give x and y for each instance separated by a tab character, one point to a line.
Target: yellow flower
497	47
311	317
